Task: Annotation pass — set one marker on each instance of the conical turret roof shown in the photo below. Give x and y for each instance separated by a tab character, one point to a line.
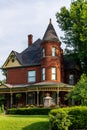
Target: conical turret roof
50	34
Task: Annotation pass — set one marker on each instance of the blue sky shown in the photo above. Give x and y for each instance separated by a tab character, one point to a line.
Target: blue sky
18	18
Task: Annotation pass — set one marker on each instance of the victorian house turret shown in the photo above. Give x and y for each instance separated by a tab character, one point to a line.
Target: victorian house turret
40	75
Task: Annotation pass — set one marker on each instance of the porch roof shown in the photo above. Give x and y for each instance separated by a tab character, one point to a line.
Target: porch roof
41	86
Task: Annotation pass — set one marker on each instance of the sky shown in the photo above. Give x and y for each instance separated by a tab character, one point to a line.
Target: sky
19	18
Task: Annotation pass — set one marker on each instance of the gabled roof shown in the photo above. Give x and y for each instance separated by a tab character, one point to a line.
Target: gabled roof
12	60
50	34
29	57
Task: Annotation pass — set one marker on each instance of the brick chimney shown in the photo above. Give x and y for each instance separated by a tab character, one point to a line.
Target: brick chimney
30	39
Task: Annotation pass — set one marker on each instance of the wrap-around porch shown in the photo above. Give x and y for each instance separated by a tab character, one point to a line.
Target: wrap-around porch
37	94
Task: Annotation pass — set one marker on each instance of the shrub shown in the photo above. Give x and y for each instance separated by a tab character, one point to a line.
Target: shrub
59	120
2	109
68	118
29	111
79	117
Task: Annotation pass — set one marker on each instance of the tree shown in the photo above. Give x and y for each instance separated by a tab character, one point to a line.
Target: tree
73	22
79	92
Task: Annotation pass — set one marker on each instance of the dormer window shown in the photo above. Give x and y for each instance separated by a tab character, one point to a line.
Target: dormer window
53	51
43	52
71	79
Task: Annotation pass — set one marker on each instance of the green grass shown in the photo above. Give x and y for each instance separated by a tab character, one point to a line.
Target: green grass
12	122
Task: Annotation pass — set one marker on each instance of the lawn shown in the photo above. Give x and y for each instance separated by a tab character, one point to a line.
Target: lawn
18	122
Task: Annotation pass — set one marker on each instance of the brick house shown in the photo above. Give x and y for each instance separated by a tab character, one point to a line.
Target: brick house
41	74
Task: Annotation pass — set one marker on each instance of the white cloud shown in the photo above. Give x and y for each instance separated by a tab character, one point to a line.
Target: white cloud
18	18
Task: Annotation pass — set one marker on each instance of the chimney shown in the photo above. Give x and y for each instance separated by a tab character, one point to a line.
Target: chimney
30	39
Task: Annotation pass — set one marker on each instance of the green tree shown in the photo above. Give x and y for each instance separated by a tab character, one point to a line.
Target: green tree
73	22
79	92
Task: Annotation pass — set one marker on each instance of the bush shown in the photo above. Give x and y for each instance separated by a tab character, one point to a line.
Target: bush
59	120
29	111
68	118
79	117
2	109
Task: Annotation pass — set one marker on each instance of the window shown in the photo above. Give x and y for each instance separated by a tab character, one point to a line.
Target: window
43	73
53	73
53	51
32	76
43	52
71	79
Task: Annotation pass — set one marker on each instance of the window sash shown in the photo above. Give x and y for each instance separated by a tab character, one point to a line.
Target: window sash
53	73
71	79
31	76
53	51
43	52
43	73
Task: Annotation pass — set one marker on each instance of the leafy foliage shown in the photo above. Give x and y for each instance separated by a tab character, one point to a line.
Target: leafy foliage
68	118
79	92
73	22
60	121
1	108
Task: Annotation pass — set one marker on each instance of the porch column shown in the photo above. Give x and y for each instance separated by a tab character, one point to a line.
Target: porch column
58	97
37	97
26	99
11	100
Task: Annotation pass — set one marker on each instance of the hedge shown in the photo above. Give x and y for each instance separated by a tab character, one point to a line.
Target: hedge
29	111
69	118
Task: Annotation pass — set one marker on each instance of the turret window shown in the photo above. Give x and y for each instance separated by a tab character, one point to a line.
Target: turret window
53	51
43	52
43	73
32	76
53	73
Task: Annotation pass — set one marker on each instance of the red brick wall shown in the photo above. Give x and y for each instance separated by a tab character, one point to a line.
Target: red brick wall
49	61
20	75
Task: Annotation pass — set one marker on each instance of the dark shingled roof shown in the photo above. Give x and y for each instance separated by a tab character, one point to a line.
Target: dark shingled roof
31	55
50	34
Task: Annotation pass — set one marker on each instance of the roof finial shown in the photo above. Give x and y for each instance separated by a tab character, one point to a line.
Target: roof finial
50	21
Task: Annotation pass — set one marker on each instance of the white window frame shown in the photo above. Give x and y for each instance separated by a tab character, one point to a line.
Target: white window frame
53	51
71	79
43	52
43	73
31	76
53	71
